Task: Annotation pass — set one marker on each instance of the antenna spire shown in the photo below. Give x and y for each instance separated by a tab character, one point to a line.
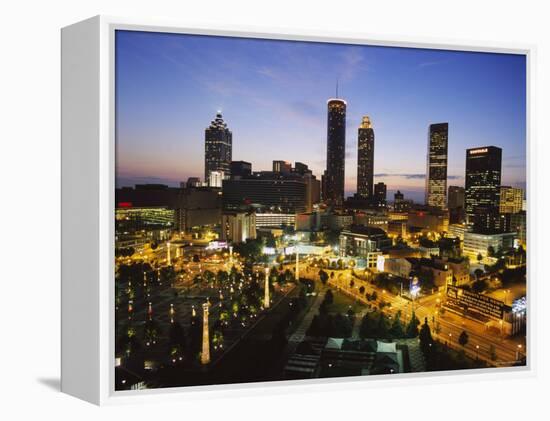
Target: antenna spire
336	88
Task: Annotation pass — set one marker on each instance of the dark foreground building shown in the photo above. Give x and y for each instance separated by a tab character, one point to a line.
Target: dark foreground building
191	207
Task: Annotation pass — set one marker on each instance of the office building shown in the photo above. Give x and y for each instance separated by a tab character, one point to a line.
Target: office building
365	159
518	224
267	219
191	182
511	199
455	204
313	186
218	145
455	197
237	227
240	169
359	241
334	176
273	192
380	191
476	244
282	167
483	175
428	219
401	205
216	179
436	172
193	207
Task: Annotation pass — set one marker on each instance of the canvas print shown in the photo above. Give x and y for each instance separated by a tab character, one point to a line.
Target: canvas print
298	210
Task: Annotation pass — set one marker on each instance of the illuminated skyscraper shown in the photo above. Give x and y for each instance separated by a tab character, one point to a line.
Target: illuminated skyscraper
217	148
365	159
482	186
436	172
334	176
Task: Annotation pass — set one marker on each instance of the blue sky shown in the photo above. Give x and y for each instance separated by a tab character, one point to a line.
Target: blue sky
273	97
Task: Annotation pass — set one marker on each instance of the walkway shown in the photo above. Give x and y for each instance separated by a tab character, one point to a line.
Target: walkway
300	333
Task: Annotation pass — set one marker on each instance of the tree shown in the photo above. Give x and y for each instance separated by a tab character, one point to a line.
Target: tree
323	276
396	330
382	330
412	326
361	290
425	337
479	257
479	286
463	338
329	297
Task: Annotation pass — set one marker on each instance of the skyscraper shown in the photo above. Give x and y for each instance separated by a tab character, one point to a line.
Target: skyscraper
456	197
365	159
217	148
380	190
336	153
436	171
455	204
482	186
282	167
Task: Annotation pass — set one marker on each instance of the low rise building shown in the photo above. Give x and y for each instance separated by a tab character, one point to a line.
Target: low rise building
427	219
358	241
275	219
237	227
398	266
476	244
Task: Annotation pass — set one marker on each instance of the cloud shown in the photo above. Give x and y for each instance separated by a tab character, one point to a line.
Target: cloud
413	176
431	63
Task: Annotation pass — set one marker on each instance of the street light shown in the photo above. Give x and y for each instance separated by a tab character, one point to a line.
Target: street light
518	351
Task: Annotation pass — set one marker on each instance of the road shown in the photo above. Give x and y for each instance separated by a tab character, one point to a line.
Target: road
445	327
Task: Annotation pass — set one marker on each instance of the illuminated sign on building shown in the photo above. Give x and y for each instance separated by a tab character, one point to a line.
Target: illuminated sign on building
475	303
478	151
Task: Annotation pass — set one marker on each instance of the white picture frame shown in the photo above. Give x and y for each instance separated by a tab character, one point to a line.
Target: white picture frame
88	173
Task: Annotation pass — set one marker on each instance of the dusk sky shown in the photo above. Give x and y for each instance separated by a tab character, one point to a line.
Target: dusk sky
273	97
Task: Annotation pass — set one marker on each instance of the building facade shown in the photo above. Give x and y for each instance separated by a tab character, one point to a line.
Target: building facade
274	192
476	244
237	227
436	172
365	159
511	199
358	241
380	192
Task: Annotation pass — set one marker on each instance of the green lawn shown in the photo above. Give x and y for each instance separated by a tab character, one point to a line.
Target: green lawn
342	302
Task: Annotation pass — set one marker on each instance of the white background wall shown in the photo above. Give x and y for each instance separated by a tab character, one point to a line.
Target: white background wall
29	219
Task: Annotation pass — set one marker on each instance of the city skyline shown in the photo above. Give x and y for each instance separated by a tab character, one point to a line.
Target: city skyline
481	95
